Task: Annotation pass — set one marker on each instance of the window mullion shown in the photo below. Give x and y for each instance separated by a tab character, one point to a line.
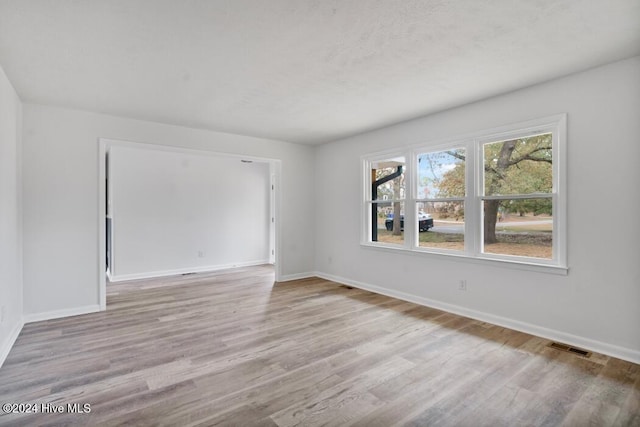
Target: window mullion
409	204
472	200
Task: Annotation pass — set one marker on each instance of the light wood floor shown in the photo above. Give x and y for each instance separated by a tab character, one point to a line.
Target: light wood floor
232	348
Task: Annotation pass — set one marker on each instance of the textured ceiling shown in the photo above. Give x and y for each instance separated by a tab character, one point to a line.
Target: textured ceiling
306	71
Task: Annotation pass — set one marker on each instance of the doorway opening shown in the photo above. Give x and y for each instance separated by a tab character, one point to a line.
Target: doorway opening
167	210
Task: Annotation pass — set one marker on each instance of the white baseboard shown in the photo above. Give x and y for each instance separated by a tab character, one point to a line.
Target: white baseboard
551	334
56	314
175	272
7	345
296	276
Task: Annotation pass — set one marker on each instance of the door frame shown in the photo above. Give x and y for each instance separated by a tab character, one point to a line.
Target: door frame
104	144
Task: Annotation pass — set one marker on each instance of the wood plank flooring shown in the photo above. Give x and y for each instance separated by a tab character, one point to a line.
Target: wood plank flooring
233	348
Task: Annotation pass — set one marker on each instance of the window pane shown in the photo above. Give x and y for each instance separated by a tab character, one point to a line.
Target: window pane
522	227
389	223
387	179
448	225
518	166
441	174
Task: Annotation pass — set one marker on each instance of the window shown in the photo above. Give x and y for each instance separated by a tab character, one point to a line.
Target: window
517	201
386	196
441	191
497	195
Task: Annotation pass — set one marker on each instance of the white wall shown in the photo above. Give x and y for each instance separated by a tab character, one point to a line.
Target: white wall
10	217
60	173
176	212
596	304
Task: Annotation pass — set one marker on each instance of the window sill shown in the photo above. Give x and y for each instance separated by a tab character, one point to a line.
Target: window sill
481	260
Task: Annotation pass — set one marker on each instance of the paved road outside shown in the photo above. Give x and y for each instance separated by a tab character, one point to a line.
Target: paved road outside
458	227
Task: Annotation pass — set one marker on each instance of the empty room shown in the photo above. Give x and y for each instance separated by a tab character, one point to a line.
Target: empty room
304	212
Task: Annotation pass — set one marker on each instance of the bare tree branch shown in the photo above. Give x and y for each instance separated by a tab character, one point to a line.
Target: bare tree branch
534	159
529	156
456	155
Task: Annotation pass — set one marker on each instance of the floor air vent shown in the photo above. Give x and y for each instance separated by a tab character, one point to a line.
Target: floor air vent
569	349
346	287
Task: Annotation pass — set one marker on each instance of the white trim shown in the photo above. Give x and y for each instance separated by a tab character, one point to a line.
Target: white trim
410	212
57	314
444	199
8	343
560	203
275	169
460	141
540	331
175	149
296	276
458	256
473	144
102	226
203	269
519	196
474	222
366	162
365	184
272	214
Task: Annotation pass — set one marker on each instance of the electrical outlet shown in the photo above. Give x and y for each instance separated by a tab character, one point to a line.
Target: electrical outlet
2	314
200	254
462	285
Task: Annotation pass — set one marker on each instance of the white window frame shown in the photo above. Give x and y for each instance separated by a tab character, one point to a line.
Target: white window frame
474	180
409	217
465	199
